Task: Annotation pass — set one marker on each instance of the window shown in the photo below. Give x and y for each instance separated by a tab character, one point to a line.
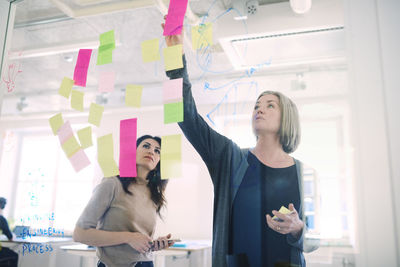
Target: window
48	191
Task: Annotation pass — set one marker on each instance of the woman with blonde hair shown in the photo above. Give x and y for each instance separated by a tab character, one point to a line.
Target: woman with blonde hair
250	186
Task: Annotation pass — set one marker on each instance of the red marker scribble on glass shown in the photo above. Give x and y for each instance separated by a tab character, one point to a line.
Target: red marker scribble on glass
13	70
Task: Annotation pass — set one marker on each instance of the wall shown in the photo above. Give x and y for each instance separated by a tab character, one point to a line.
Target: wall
371	45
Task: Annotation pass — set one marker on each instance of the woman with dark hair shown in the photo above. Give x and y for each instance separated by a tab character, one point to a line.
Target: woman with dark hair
120	218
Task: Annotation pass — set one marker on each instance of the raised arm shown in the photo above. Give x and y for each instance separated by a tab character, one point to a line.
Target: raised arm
211	145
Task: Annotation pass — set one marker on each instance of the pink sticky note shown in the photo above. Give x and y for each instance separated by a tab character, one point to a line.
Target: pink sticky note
65	132
81	67
79	160
176	14
106	81
172	90
127	148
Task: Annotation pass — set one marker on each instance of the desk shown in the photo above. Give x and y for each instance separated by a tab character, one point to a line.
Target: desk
197	251
87	254
47	258
200	247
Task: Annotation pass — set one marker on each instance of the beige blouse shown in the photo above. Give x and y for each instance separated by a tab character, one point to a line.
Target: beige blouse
111	209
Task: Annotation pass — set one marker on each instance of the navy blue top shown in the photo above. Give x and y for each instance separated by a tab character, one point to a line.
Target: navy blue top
263	189
4	227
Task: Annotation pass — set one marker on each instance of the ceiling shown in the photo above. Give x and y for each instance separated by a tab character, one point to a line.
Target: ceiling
45	42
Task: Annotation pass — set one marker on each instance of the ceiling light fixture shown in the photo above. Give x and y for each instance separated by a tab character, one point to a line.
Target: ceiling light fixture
300	6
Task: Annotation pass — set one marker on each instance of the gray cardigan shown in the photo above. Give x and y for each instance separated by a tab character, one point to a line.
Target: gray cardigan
227	164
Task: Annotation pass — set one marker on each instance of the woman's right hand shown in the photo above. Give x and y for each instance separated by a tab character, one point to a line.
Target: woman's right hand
172	40
139	241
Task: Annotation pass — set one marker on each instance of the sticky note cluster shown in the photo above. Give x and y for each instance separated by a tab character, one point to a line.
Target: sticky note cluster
171	156
72	148
173	101
107	45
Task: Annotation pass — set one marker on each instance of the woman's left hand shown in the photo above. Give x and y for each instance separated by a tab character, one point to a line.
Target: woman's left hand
162	242
291	223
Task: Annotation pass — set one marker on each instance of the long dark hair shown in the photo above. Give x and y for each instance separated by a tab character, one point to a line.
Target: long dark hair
155	184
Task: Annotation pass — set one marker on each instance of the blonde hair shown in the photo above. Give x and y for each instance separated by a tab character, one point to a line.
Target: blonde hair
289	130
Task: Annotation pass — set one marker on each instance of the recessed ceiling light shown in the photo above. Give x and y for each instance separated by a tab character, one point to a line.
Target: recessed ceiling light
68	58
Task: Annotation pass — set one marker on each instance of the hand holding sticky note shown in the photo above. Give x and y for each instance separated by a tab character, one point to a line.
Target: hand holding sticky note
282	210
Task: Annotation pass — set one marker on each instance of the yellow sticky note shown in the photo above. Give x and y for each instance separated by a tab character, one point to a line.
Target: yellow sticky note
71	146
202	36
95	114
66	87
105	155
150	50
173	57
85	137
173	112
133	95
77	100
56	122
171	156
282	210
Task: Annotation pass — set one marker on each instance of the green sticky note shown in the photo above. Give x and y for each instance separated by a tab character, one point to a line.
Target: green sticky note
85	137
56	122
105	155
104	57
71	146
95	114
77	100
173	112
202	36
173	57
133	95
107	45
150	51
107	38
66	87
171	156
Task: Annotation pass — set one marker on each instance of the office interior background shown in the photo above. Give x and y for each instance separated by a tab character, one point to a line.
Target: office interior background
337	59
